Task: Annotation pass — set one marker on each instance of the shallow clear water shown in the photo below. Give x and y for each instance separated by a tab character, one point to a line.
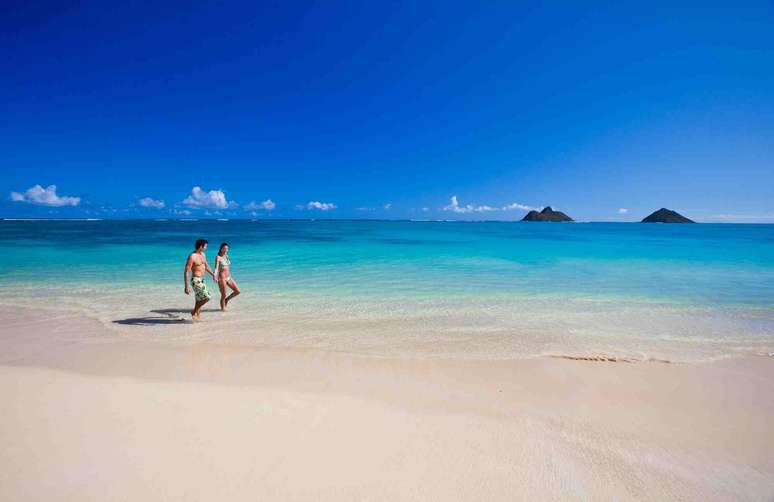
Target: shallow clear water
491	289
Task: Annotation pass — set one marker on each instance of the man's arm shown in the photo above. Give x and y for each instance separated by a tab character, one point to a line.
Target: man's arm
207	268
186	272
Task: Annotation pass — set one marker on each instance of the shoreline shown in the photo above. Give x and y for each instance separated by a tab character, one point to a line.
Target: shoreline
449	336
89	413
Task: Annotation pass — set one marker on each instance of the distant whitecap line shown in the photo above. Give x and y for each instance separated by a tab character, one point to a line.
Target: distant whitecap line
51	219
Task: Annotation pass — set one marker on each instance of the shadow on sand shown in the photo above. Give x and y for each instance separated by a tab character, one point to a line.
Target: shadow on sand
165	316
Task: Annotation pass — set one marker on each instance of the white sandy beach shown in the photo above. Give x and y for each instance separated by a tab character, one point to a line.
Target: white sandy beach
89	415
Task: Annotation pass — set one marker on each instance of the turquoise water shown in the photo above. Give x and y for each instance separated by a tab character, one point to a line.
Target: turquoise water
633	289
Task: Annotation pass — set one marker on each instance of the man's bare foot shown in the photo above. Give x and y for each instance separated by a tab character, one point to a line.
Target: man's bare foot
196	316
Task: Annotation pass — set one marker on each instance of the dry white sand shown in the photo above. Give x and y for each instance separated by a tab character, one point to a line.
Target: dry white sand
87	415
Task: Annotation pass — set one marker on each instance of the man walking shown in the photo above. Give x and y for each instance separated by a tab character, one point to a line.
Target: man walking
196	265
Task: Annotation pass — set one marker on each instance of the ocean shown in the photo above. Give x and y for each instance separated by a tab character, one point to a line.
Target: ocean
625	291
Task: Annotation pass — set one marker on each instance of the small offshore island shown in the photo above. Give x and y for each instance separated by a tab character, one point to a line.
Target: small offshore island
547	214
665	215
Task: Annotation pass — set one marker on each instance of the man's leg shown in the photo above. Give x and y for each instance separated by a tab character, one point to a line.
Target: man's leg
198	307
202	295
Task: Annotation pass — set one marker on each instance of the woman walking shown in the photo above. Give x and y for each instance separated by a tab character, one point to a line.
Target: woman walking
223	276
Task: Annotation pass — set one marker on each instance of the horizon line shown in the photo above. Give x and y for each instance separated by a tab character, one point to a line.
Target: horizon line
396	220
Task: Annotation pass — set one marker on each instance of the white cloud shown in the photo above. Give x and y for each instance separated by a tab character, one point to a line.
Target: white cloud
268	205
322	206
44	197
148	202
425	209
515	205
746	218
214	199
623	210
455	206
369	209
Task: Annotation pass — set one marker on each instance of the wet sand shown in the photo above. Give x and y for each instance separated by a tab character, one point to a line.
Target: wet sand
89	415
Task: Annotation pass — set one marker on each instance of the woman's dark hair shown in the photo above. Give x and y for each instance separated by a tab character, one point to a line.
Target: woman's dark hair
222	245
200	243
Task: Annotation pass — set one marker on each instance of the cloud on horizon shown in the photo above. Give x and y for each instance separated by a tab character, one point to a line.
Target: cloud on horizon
515	205
368	209
623	210
45	197
214	199
742	218
268	205
455	207
322	206
152	203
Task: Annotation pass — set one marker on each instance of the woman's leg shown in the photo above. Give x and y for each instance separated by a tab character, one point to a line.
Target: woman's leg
223	301
234	288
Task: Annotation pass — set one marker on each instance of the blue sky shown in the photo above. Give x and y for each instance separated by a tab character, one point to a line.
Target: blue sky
387	110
